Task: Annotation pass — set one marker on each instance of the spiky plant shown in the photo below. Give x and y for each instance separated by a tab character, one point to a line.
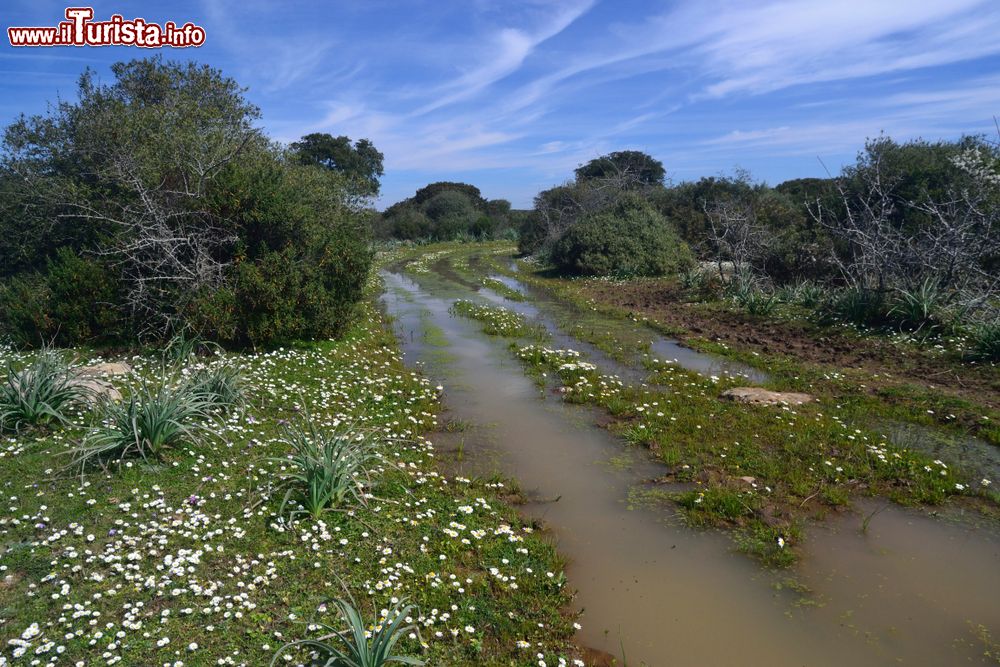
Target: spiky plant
854	305
154	418
354	647
223	386
805	293
985	340
39	393
921	309
326	468
184	345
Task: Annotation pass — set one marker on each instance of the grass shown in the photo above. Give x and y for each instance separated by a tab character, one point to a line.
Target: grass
497	321
182	558
503	289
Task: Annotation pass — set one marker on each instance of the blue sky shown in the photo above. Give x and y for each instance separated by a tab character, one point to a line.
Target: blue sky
512	96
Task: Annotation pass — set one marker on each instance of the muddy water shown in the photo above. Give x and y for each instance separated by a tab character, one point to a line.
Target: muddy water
904	593
660	348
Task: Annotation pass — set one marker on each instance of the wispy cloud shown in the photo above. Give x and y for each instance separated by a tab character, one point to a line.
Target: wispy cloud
514	94
505	52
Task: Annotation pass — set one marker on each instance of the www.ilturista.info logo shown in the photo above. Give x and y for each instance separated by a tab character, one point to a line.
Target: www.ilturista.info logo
80	30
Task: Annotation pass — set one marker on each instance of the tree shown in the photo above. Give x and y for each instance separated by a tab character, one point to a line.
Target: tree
447	211
122	173
626	170
361	162
915	213
158	194
433	189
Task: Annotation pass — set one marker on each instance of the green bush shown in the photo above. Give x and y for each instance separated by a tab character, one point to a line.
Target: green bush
194	220
73	301
629	239
301	262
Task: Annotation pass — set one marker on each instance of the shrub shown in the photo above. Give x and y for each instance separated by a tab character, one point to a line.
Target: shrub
985	340
304	256
855	306
164	208
220	386
363	644
153	419
629	239
328	468
449	204
39	393
73	301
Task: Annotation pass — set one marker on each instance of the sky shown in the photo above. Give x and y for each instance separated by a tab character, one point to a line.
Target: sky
512	96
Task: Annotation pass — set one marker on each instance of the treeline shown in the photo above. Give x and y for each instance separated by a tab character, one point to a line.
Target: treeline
447	211
907	237
153	205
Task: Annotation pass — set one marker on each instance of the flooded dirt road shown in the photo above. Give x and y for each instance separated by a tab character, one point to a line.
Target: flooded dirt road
911	590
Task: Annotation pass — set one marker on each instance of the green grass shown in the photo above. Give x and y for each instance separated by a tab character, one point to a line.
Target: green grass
186	558
498	321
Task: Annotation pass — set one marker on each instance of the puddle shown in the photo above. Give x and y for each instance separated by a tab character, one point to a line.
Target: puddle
669	595
664	349
976	458
669	350
913	588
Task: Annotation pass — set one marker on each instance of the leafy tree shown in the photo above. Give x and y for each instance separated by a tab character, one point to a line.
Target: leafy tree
446	211
433	189
628	170
449	204
360	162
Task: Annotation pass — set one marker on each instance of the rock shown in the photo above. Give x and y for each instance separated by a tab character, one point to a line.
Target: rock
91	379
748	479
758	396
105	368
97	390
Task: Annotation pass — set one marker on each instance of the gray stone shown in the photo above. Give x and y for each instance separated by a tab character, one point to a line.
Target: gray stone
759	396
103	369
